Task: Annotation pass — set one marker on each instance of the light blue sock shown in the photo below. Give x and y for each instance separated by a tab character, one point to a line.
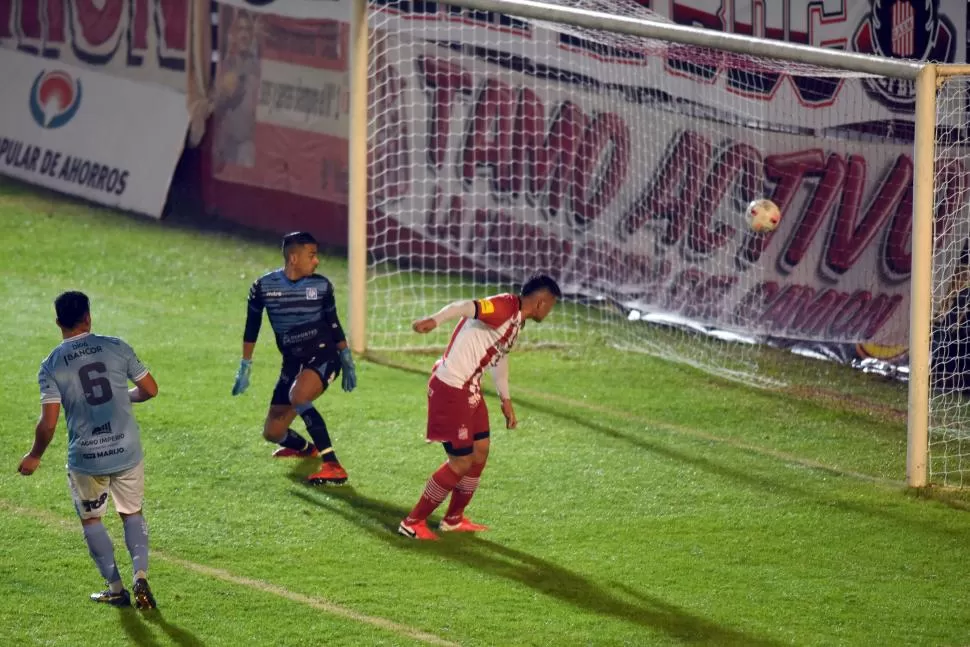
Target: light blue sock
102	552
136	537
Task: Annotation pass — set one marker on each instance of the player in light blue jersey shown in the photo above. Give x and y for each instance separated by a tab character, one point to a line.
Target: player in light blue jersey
303	314
88	375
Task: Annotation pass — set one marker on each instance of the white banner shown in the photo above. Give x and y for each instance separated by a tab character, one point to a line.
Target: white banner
103	138
143	40
484	169
301	9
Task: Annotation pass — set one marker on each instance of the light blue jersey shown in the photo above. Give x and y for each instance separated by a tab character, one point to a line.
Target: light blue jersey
88	375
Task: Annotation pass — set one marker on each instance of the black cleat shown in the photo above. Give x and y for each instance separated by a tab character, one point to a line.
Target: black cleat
143	594
121	599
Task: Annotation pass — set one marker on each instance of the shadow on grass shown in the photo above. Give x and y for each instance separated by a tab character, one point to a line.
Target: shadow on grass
380	519
795	488
136	625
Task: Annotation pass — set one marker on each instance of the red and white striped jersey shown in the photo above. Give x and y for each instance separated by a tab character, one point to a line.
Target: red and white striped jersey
481	342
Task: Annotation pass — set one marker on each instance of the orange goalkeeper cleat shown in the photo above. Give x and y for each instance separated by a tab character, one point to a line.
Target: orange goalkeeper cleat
462	525
417	530
329	474
286	452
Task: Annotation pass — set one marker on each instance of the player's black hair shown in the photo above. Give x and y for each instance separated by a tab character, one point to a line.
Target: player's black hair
541	282
71	308
297	239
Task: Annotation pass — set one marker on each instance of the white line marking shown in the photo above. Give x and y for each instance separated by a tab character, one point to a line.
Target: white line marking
320	604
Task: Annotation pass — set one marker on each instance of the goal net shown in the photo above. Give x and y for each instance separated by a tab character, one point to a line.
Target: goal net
949	406
501	146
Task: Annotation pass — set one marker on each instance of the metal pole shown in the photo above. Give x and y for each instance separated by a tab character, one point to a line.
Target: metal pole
921	281
357	191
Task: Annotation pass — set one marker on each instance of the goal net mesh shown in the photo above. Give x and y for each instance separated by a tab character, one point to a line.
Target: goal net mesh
949	433
500	147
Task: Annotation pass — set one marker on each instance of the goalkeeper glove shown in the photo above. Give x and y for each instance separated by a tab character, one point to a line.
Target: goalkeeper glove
242	377
349	379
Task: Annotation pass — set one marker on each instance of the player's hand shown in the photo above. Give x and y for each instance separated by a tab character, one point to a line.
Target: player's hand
509	414
28	465
242	376
424	325
349	378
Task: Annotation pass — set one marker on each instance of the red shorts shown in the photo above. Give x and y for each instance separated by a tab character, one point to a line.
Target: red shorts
455	416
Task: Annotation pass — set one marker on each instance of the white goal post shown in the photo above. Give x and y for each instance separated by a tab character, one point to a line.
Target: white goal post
926	77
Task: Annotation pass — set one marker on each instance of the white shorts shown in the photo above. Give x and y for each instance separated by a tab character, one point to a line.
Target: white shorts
90	493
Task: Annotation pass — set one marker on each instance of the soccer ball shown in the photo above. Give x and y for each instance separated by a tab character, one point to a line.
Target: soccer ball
763	216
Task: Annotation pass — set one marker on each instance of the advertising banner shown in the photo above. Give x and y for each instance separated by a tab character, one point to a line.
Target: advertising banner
281	115
479	168
143	40
96	136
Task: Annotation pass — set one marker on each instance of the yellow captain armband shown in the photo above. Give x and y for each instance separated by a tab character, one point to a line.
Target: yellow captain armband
485	307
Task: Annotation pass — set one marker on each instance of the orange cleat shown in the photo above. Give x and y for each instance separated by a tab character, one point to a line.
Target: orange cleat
417	530
286	452
329	474
463	525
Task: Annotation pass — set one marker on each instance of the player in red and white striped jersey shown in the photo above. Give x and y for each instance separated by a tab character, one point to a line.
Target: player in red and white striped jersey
457	416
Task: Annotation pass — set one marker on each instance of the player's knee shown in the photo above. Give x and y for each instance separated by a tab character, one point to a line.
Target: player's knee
272	433
460	465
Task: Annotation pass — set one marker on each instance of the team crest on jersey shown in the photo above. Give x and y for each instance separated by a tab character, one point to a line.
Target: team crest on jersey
912	29
463	433
485	307
311	294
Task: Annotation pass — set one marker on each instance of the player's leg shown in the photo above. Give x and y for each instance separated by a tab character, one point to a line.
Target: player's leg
309	385
449	423
455	519
90	495
276	429
128	492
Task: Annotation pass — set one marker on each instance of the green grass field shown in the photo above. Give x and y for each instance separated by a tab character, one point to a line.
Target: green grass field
638	503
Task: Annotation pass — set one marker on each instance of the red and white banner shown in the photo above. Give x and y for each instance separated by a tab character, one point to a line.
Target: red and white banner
281	95
480	168
143	40
96	136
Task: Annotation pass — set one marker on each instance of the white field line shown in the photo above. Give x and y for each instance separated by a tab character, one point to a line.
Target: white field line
320	604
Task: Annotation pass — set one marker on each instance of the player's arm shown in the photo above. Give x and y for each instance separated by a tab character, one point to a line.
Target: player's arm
500	376
348	380
43	435
254	320
145	389
455	310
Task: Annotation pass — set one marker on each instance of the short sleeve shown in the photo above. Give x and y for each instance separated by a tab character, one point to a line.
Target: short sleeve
135	369
495	311
49	393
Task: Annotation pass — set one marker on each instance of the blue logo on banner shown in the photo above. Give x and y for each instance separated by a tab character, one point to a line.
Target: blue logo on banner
54	98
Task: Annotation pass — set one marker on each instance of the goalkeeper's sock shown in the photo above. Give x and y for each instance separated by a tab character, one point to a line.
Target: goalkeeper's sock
317	429
102	552
435	491
462	495
294	441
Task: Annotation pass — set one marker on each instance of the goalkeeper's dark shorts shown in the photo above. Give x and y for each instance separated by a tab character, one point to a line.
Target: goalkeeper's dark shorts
326	365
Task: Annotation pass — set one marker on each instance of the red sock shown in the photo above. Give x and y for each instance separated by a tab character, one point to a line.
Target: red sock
435	491
463	493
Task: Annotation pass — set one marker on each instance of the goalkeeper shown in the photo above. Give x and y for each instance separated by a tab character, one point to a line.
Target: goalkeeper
303	314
